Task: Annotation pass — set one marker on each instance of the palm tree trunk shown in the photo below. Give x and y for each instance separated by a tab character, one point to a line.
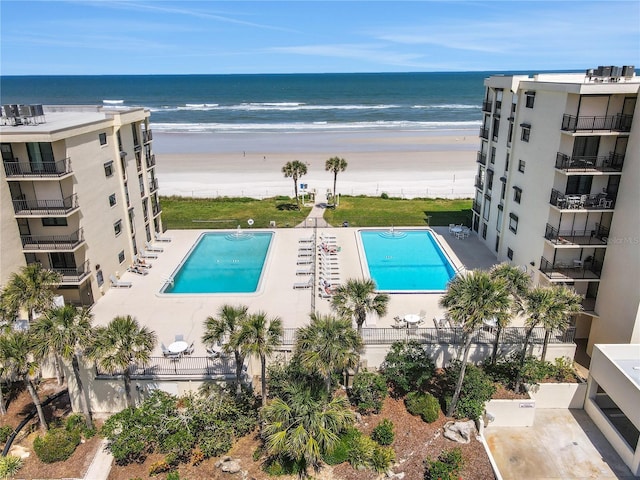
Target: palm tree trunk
81	393
263	378
58	365
327	382
523	357
127	388
547	336
463	368
3	409
335	180
239	362
496	342
295	189
36	402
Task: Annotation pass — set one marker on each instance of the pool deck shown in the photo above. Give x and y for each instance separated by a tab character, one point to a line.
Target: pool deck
185	314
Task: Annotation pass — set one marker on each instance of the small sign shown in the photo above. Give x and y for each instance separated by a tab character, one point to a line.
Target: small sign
527	405
303	186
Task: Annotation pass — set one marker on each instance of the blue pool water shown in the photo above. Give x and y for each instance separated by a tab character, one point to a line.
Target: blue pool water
222	263
406	261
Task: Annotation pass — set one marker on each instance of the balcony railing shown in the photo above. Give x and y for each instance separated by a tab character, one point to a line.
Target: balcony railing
604	163
52	242
595	236
453	336
482	158
597	201
475	206
147	136
574	269
46	207
484	133
153	185
42	169
479	183
74	275
156	209
185	366
486	107
151	160
618	123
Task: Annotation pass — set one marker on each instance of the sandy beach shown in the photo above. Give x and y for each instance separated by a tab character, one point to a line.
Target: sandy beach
400	163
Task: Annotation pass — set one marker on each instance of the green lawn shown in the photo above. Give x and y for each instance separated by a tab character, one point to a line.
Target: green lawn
184	212
379	212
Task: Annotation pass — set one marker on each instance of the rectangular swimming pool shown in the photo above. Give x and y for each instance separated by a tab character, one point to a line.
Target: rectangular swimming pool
222	262
406	261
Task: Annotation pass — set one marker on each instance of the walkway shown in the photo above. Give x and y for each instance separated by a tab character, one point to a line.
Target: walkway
316	215
100	465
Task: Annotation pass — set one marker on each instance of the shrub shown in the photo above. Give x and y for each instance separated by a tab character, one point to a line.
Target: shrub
5	432
277	466
197	457
446	467
477	389
563	370
340	451
158	467
384	195
9	466
383	432
382	458
77	422
216	441
361	452
423	404
57	445
407	367
173	476
177	445
368	392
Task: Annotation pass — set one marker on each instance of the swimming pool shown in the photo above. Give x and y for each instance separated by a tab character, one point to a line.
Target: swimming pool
405	261
222	262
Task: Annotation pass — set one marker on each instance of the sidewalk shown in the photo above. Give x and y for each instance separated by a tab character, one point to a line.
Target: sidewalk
316	215
100	465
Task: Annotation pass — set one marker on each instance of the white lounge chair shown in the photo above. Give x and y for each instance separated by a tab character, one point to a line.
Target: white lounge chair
299	285
119	283
162	239
303	272
137	269
307	240
145	254
151	248
304	261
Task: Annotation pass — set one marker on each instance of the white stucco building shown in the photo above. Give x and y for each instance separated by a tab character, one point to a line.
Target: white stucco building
557	189
78	193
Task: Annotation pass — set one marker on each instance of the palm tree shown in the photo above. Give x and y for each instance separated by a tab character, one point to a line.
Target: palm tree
328	344
304	425
295	170
568	303
121	344
518	283
32	289
64	332
335	165
470	299
228	325
17	359
260	336
357	298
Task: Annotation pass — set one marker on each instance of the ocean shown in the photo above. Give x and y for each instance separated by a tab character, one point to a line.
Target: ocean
267	103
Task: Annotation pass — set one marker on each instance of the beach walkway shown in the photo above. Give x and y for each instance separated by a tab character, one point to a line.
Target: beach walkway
316	215
101	464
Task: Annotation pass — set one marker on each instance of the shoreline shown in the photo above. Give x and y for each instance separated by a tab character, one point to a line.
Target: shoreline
401	163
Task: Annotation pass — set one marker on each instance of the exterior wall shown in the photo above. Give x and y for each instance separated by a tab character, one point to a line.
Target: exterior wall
9	235
511	413
559	395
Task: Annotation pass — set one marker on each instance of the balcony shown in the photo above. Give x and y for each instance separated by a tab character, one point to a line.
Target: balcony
568	270
596	236
47	208
151	161
185	366
486	107
147	136
484	133
74	275
597	201
479	183
610	123
17	169
476	207
156	210
52	242
482	158
153	185
605	163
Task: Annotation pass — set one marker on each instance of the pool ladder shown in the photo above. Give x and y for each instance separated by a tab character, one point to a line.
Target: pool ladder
167	279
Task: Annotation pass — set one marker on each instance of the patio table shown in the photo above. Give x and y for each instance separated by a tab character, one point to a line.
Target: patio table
178	347
412	318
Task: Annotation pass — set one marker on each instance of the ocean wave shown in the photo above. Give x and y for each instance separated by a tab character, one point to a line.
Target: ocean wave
267	106
113	102
450	106
315	126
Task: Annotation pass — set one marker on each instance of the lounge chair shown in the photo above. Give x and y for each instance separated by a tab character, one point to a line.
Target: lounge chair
299	285
305	248
303	272
137	269
138	262
145	254
162	239
119	283
151	248
304	261
307	240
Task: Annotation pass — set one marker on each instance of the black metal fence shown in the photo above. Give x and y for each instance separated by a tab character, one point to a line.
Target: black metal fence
205	367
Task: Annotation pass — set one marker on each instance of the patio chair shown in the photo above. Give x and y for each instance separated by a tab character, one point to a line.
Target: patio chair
162	239
138	270
299	285
307	239
304	261
451	227
145	254
304	272
189	349
115	283
179	338
151	248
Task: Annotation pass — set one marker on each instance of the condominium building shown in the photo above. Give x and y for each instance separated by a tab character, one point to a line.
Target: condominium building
558	189
78	193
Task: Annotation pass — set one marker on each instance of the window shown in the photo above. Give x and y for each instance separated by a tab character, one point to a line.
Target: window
513	222
99	278
531	96
509	254
517	194
54	222
112	200
496	128
121	257
484	230
521	165
487	207
526	132
141	184
489	179
492	159
103	138
497	242
117	227
499	220
108	169
506	164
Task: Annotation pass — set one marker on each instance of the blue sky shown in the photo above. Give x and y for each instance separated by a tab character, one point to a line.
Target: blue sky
161	37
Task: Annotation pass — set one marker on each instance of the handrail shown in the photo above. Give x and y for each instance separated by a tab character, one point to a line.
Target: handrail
52	242
48	207
15	168
589	236
618	122
584	163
